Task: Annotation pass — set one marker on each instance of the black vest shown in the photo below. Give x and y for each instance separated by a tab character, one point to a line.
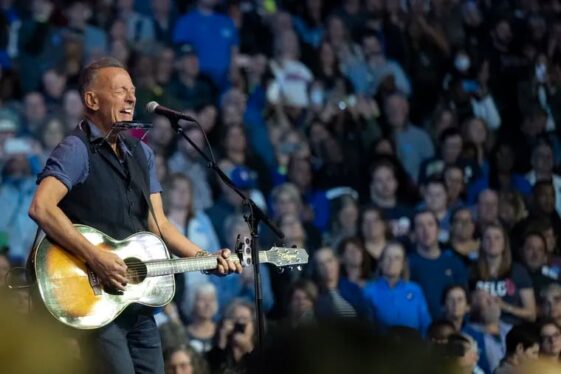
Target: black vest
113	197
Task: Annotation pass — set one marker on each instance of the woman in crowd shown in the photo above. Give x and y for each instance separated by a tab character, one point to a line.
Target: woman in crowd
195	224
301	299
456	305
202	328
355	261
344	219
393	298
462	235
495	273
374	232
234	339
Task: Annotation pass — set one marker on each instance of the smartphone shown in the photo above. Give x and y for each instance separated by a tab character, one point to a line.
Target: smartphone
239	327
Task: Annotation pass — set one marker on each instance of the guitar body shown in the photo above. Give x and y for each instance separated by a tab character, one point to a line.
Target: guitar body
73	294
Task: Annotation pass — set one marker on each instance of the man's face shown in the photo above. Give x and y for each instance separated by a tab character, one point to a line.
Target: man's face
456	303
384	184
488	207
550	336
552	306
34	107
487	305
426	230
113	96
397	110
545	199
451	149
436	197
454	180
542	159
534	252
190	65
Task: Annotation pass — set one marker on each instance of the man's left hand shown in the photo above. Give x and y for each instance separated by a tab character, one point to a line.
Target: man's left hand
226	266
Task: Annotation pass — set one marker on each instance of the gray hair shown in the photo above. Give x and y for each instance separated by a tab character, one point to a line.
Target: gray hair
89	72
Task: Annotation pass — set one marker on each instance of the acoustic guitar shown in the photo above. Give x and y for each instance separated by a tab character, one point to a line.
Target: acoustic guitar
74	295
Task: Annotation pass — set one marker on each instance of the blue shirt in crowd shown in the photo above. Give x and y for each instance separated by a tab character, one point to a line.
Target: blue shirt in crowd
435	275
403	304
213	36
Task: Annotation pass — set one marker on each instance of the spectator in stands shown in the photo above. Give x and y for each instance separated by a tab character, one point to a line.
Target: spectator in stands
72	109
475	132
502	176
192	222
344	218
462	235
316	208
542	170
214	37
487	209
189	88
455	182
51	134
94	39
338	297
464	348
161	137
375	232
497	274
435	199
163	20
376	73
542	203
204	308
551	302
522	346
187	161
384	194
439	331
456	306
433	269
413	144
235	338
16	193
139	28
534	257
301	301
242	287
487	329
394	300
34	114
184	360
355	261
450	145
550	341
512	209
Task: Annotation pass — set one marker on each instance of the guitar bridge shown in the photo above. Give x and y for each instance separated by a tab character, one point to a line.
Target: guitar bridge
95	282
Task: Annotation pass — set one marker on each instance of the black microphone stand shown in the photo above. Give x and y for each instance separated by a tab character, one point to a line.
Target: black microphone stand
253	216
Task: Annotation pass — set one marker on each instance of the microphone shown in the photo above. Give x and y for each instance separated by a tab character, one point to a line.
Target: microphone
154	107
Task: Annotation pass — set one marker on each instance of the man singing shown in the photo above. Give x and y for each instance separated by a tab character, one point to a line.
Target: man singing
104	179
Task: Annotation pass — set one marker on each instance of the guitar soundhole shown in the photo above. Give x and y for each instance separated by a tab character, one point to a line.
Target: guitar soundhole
136	270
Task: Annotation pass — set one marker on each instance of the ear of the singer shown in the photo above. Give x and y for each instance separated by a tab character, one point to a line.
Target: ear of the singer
174	115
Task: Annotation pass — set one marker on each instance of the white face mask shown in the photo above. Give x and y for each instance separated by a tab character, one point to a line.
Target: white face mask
462	63
541	71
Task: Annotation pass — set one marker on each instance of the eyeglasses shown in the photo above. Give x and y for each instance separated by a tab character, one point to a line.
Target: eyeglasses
551	337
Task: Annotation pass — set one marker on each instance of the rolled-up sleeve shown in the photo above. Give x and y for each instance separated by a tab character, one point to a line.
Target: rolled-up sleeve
68	163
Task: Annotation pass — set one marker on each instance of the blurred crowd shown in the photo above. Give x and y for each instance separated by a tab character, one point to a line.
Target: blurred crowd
412	147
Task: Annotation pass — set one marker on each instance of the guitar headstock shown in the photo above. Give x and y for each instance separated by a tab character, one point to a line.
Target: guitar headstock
284	256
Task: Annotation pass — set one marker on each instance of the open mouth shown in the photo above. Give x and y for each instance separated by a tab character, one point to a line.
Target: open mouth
127	111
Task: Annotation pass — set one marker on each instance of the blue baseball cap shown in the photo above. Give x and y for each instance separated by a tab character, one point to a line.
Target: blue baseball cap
243	178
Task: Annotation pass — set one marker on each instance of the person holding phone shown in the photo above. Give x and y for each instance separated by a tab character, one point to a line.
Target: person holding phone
235	338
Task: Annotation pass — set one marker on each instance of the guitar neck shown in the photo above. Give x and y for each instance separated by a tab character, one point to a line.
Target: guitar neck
182	265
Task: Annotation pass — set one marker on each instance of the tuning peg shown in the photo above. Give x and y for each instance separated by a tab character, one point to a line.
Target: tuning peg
299	267
280	270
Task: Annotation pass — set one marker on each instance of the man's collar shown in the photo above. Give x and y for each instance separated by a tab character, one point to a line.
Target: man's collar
96	136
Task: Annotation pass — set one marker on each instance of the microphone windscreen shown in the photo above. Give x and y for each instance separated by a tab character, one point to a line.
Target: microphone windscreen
151	106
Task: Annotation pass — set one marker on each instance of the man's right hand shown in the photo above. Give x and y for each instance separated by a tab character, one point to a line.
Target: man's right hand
110	268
